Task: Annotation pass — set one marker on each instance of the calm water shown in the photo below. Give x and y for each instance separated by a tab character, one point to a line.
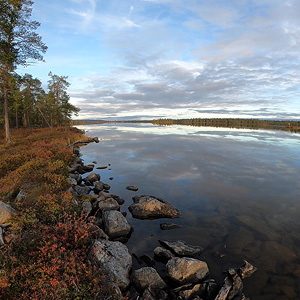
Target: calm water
238	191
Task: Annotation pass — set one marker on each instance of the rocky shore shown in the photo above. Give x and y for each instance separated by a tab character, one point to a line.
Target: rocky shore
187	276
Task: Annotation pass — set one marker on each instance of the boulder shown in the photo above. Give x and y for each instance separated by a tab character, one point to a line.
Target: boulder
91	178
114	260
6	212
85	169
150	207
196	290
163	254
77	177
115	224
108	204
74	167
154	294
147	277
86	207
181	248
98	186
81	190
106	186
186	270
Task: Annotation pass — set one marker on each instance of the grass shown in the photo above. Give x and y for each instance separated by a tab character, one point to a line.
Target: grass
45	256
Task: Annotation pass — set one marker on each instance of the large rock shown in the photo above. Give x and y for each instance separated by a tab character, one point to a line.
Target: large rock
181	248
91	178
163	254
147	277
150	207
197	290
81	190
98	186
114	260
186	270
115	224
108	204
6	212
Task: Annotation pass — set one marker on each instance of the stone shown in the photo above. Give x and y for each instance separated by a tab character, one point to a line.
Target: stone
102	168
91	178
85	169
106	186
96	232
6	212
186	270
163	254
169	226
21	196
76	150
147	277
82	190
115	224
77	177
114	260
72	181
247	270
149	261
98	186
181	248
132	188
224	291
1	237
86	207
74	167
150	207
108	204
187	294
237	286
154	294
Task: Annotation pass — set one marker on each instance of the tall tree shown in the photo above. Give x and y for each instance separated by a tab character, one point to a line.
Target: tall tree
19	44
61	110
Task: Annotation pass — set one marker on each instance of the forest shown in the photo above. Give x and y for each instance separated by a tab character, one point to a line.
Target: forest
23	100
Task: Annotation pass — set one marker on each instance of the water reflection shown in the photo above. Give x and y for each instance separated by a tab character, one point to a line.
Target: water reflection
237	190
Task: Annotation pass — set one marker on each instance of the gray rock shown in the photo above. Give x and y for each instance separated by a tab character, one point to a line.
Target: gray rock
98	186
163	254
169	226
82	190
1	237
96	232
115	224
132	188
91	178
181	248
72	181
147	277
106	186
86	207
85	169
114	260
237	286
21	196
186	270
154	294
6	212
77	177
150	207
76	150
74	167
224	291
108	204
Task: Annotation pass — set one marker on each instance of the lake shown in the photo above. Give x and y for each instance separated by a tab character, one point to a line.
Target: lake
237	189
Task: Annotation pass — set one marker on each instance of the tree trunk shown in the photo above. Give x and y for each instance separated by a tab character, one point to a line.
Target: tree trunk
6	119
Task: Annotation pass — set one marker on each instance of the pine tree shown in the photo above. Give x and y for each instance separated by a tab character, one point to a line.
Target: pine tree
19	44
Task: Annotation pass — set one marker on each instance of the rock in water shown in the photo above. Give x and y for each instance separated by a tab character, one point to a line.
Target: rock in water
181	248
115	224
169	226
6	212
132	188
150	207
114	260
186	270
147	277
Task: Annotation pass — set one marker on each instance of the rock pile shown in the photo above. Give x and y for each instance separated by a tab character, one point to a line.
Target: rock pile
186	276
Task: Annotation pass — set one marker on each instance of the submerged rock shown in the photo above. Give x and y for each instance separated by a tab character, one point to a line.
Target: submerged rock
147	277
150	207
169	226
114	260
181	248
163	254
186	270
132	188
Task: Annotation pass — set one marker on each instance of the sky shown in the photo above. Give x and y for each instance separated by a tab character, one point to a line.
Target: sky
150	59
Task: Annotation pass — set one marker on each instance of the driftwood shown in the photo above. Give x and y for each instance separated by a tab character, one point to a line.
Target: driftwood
84	142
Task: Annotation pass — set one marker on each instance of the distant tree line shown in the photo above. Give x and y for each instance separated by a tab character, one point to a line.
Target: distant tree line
22	98
233	123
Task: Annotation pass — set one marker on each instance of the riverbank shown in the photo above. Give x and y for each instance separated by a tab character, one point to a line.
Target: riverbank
46	239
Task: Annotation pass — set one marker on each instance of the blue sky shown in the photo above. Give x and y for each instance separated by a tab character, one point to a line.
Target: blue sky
145	59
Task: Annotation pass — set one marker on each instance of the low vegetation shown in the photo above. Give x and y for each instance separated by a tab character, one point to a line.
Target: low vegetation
45	255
